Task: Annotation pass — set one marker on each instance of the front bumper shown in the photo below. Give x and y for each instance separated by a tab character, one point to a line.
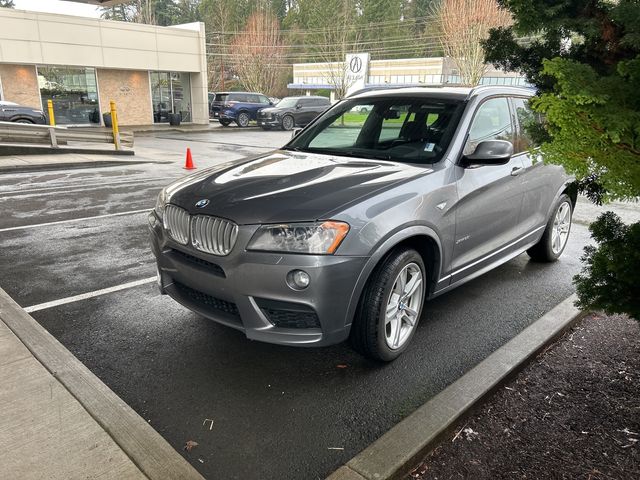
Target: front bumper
268	122
248	290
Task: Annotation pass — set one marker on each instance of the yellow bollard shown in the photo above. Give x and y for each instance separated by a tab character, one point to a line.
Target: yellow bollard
114	125
52	117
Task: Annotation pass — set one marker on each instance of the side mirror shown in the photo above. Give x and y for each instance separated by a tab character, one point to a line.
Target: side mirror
295	131
298	106
490	152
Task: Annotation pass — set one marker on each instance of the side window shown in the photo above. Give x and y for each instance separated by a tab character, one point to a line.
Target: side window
305	102
263	99
528	121
238	97
492	121
253	98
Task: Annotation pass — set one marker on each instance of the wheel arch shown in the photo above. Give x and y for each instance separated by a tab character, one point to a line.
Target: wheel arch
571	189
17	118
423	239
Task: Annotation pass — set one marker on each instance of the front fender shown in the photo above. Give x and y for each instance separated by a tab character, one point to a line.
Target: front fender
382	249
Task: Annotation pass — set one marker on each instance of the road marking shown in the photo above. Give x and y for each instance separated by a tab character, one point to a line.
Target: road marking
85	186
84	296
22	227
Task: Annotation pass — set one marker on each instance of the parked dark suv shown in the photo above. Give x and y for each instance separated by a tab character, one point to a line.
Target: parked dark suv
12	112
239	107
292	112
348	229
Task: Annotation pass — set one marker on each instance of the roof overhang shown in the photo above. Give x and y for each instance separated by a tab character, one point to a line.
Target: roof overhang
102	3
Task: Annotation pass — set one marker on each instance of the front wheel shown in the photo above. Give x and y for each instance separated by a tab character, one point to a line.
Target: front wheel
287	122
556	233
243	119
390	306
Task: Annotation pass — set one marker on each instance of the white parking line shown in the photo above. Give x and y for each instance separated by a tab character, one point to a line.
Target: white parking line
35	225
74	185
84	296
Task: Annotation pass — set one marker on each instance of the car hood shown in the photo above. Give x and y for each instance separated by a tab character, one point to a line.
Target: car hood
273	110
286	186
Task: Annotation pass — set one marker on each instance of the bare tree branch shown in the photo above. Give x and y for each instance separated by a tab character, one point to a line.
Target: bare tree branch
463	24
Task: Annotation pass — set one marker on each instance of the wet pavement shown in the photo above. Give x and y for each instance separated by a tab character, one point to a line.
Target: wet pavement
278	412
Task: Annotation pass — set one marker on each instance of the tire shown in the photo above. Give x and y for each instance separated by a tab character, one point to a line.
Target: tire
555	236
23	120
373	333
363	110
288	123
243	119
225	123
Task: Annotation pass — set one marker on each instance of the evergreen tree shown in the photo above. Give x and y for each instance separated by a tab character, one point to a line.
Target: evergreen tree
584	58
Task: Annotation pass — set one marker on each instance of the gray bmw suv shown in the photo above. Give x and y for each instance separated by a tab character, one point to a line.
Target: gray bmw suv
348	229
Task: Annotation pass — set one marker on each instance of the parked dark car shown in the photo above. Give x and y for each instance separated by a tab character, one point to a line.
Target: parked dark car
292	112
12	112
238	107
348	229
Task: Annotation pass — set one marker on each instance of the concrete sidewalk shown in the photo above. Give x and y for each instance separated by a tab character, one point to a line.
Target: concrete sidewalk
22	163
59	421
44	431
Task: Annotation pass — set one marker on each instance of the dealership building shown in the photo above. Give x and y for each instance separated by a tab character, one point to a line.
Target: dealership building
82	64
359	72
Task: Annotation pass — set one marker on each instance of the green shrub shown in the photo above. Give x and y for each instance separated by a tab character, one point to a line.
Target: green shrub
610	279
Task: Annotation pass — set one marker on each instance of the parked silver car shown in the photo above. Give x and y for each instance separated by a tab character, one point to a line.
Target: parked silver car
347	230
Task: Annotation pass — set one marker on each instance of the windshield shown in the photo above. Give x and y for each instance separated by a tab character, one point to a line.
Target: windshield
288	102
402	129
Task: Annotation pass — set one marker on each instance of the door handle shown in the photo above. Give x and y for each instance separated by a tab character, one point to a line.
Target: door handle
515	171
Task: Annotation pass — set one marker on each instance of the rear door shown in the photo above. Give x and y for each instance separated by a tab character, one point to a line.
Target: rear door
540	182
318	106
489	197
304	113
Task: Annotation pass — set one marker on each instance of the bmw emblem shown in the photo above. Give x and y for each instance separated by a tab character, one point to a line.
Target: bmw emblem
202	203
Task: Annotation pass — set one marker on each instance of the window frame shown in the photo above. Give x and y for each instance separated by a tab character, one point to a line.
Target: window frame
516	120
475	112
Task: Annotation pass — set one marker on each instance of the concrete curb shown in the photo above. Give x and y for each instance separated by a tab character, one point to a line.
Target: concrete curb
13	150
39	167
144	446
394	454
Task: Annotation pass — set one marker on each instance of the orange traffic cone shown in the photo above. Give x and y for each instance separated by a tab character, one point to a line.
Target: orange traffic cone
189	163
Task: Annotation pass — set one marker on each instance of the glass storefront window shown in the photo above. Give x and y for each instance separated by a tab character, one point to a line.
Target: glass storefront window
170	93
74	93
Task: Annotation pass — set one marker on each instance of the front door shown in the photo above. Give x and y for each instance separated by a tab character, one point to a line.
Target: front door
489	197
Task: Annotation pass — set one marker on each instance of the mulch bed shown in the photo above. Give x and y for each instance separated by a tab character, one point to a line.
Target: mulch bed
573	413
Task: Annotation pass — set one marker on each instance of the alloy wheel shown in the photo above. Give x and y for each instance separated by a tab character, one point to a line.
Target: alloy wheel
561	227
243	119
287	123
403	306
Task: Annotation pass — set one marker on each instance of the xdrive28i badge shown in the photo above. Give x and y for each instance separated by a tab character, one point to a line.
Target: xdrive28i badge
202	203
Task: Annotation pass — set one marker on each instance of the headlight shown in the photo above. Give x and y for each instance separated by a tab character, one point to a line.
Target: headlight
316	238
160	203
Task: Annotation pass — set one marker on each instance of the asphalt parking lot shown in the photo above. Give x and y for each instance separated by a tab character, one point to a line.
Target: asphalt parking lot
278	412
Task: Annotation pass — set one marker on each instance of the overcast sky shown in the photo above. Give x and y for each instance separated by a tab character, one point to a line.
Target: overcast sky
58	6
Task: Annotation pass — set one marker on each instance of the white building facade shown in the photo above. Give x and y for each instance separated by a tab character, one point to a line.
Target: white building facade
84	63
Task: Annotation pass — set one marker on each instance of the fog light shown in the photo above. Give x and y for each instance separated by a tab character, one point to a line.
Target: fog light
298	279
